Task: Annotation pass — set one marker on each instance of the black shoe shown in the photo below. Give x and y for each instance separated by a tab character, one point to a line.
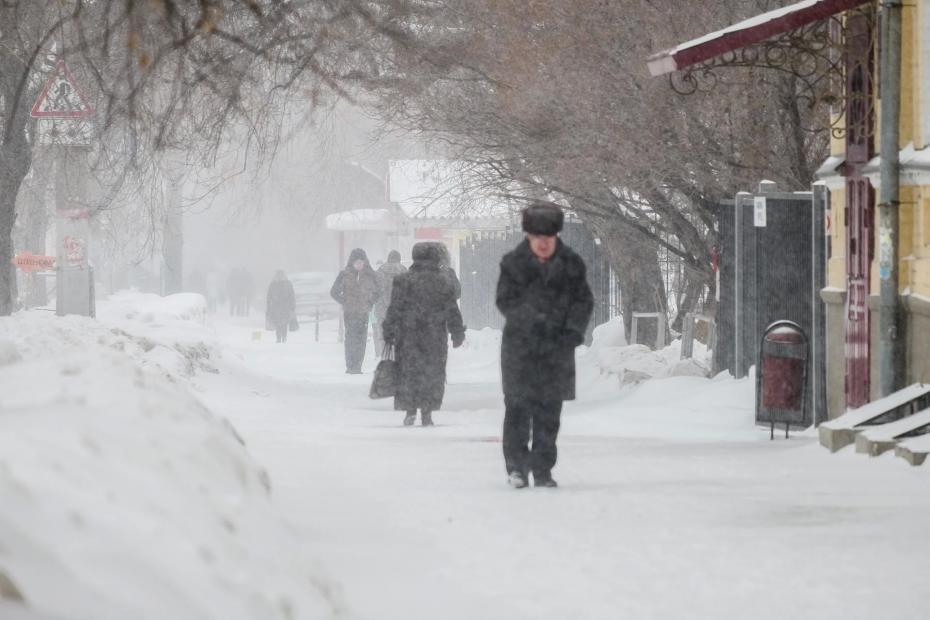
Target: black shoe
517	480
353	371
410	418
426	418
544	481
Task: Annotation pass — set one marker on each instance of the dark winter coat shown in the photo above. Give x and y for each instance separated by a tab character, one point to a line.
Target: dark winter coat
419	320
356	291
547	308
280	301
449	272
387	272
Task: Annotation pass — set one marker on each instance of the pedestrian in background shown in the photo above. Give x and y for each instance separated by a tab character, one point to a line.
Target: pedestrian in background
280	304
547	303
419	320
386	272
445	267
356	289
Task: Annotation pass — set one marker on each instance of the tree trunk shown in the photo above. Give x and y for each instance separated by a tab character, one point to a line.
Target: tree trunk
14	164
634	259
15	159
173	241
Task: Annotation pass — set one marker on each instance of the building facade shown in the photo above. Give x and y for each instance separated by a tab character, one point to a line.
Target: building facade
852	174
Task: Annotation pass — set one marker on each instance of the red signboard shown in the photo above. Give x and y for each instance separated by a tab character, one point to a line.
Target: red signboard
29	262
427	233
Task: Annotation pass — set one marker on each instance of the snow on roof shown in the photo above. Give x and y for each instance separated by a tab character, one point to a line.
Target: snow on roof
439	189
361	219
746	32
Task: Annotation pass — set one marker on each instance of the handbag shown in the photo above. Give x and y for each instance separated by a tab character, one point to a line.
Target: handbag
292	324
384	383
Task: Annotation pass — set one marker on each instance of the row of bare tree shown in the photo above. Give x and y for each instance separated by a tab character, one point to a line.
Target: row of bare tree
553	100
171	79
544	98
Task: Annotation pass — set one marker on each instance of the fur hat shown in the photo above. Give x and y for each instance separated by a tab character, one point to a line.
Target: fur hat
426	251
543	218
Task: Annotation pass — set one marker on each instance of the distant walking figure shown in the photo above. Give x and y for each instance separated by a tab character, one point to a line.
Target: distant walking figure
356	288
422	315
445	267
387	272
280	304
546	301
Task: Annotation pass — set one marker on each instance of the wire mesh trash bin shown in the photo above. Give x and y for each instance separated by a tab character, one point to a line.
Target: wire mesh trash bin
781	378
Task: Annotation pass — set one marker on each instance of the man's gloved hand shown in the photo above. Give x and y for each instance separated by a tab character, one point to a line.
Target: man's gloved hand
457	341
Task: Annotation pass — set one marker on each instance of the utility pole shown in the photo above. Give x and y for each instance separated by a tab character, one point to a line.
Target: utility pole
891	351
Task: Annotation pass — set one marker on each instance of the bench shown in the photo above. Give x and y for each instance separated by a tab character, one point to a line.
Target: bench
840	432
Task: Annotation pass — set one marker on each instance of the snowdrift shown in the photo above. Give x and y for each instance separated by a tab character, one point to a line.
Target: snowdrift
635	363
122	496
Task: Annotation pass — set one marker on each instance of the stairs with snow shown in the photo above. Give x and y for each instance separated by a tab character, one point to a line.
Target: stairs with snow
883	424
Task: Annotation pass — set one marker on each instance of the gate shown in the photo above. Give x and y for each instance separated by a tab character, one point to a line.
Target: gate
479	262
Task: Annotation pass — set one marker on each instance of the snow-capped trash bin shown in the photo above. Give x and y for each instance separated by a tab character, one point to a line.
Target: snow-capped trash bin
781	377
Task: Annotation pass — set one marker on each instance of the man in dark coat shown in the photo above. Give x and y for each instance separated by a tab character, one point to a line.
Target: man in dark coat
545	298
280	304
387	272
357	288
422	315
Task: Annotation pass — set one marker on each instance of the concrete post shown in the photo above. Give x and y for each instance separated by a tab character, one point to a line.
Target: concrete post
891	353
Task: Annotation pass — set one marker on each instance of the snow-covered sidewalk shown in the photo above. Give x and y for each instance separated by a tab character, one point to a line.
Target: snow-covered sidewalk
672	504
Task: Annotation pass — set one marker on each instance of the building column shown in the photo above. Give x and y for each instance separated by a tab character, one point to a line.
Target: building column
835	304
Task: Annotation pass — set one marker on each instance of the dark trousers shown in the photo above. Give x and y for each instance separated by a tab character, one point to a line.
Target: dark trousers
356	340
280	330
523	418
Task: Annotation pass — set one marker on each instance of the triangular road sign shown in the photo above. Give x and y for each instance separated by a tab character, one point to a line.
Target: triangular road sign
61	97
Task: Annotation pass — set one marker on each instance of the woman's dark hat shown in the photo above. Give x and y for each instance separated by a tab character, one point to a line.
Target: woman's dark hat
426	251
543	219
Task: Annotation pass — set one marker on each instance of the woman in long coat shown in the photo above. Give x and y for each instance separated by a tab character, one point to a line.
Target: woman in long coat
279	305
421	316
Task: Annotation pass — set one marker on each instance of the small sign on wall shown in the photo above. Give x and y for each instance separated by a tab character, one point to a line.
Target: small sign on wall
758	211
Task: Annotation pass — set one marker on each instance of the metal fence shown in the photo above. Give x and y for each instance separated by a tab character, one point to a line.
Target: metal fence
479	262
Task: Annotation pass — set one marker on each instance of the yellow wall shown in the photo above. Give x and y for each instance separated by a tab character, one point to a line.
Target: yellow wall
910	93
918	231
836	267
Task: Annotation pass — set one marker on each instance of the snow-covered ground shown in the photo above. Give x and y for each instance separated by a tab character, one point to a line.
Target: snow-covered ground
125	494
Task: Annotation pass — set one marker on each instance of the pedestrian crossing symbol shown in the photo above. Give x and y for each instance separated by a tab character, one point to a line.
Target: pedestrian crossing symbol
61	97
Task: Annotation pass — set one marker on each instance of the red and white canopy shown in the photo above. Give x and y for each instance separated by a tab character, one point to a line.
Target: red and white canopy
747	32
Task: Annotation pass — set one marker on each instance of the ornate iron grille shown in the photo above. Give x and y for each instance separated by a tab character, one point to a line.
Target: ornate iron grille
818	57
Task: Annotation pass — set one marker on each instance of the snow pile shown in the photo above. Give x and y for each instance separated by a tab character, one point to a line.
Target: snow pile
123	497
636	363
150	308
169	330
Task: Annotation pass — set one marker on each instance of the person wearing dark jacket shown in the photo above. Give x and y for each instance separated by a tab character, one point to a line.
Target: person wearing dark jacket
544	296
387	272
356	288
280	304
419	320
445	267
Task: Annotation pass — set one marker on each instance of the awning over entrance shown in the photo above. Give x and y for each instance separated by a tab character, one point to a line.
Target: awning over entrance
747	32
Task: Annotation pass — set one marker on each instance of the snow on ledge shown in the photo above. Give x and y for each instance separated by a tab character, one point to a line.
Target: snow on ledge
361	219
